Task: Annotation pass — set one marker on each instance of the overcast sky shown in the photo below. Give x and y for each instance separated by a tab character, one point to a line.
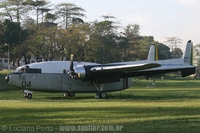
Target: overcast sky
158	18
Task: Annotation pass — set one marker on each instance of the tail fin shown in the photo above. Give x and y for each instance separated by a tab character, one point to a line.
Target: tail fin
153	53
188	57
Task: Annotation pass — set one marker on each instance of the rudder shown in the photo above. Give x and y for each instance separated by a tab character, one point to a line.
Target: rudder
153	53
188	57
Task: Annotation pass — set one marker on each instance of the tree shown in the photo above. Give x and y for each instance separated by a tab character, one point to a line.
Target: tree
69	13
50	17
74	39
39	6
53	43
177	53
30	26
163	52
43	43
13	35
1	32
2	47
173	42
102	46
131	32
197	50
144	43
123	44
13	9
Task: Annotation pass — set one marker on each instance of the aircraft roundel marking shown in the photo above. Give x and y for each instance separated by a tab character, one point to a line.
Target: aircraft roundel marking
33	76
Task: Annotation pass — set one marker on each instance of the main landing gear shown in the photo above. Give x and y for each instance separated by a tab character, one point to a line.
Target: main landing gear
70	94
101	93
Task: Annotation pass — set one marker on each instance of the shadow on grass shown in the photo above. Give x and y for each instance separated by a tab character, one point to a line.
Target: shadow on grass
140	94
124	97
130	94
133	119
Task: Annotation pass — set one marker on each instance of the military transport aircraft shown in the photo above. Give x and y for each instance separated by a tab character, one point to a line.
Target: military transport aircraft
81	77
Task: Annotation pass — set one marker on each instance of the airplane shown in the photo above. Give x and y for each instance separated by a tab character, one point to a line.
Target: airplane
73	77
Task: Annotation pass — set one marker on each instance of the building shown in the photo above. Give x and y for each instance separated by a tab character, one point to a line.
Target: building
4	62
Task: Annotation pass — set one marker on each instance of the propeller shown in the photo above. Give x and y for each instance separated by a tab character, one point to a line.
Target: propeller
77	72
71	62
71	70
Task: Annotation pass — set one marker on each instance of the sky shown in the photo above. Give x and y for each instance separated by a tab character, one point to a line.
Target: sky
158	18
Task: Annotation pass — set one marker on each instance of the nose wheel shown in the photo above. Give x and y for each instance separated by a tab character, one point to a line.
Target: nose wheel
28	95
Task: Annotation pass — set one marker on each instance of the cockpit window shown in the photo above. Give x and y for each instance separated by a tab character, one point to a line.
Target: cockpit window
26	69
19	70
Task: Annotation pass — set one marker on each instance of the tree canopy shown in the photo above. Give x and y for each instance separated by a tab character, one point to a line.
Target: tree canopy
55	32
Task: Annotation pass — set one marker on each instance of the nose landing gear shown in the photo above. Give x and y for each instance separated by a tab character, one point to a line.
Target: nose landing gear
28	95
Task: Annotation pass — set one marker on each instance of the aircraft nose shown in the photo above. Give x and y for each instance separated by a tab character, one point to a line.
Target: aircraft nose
7	78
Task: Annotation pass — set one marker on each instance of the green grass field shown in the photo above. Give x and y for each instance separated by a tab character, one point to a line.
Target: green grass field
172	106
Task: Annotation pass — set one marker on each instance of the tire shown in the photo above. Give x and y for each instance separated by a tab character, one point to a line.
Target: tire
29	96
71	94
103	94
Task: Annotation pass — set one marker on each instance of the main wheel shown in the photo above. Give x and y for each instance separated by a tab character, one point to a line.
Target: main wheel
103	94
71	94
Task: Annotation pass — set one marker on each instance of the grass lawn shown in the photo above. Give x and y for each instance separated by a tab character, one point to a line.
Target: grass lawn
170	106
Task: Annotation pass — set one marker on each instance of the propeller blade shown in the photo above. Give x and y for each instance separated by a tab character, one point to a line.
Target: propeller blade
71	62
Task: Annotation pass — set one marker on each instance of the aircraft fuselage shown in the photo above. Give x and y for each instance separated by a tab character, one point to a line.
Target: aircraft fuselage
60	82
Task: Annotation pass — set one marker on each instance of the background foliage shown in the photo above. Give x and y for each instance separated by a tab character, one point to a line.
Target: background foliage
52	32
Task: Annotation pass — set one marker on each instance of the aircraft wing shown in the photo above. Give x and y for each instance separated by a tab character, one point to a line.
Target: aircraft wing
113	72
103	73
108	72
124	67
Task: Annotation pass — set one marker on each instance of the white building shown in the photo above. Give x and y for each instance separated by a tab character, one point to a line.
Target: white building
4	62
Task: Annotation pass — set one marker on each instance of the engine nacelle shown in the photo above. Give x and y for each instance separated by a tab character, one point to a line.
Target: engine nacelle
85	73
80	72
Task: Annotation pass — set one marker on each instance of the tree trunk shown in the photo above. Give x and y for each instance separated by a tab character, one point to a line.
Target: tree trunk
18	62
